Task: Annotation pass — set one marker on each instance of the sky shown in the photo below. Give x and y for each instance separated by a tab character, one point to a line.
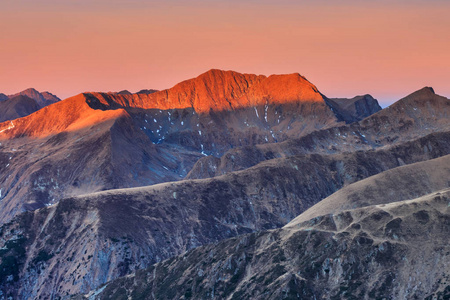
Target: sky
384	48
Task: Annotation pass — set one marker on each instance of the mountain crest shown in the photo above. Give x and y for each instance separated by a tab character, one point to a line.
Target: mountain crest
217	90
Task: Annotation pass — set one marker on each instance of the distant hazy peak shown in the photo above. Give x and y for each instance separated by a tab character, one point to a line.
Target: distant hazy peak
124	92
353	109
50	96
147	92
42	99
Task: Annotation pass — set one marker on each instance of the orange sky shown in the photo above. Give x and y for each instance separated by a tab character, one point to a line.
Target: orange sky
344	47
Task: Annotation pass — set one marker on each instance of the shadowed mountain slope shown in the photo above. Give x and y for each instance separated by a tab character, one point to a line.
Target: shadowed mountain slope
114	232
354	109
17	107
42	99
392	251
24	103
418	114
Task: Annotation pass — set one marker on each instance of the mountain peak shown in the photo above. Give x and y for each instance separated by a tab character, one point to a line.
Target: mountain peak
424	94
43	99
428	89
30	90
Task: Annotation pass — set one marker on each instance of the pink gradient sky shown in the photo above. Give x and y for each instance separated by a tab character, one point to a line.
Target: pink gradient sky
345	48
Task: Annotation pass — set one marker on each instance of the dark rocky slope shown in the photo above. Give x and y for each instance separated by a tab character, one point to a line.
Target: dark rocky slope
91	239
418	114
392	251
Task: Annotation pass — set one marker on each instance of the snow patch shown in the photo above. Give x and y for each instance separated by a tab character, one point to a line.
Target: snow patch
10	126
265	112
201	145
256	111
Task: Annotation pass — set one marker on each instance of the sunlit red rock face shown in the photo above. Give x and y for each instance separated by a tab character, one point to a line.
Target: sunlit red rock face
218	91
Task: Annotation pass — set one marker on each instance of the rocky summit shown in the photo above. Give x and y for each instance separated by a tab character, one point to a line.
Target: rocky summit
225	186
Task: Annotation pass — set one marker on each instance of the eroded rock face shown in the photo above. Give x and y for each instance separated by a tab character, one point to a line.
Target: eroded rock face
389	251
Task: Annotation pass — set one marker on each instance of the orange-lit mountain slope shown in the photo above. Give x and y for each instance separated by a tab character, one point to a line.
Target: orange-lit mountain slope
68	115
218	90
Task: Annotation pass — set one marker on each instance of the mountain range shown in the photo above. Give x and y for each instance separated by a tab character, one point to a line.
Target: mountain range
148	138
226	186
